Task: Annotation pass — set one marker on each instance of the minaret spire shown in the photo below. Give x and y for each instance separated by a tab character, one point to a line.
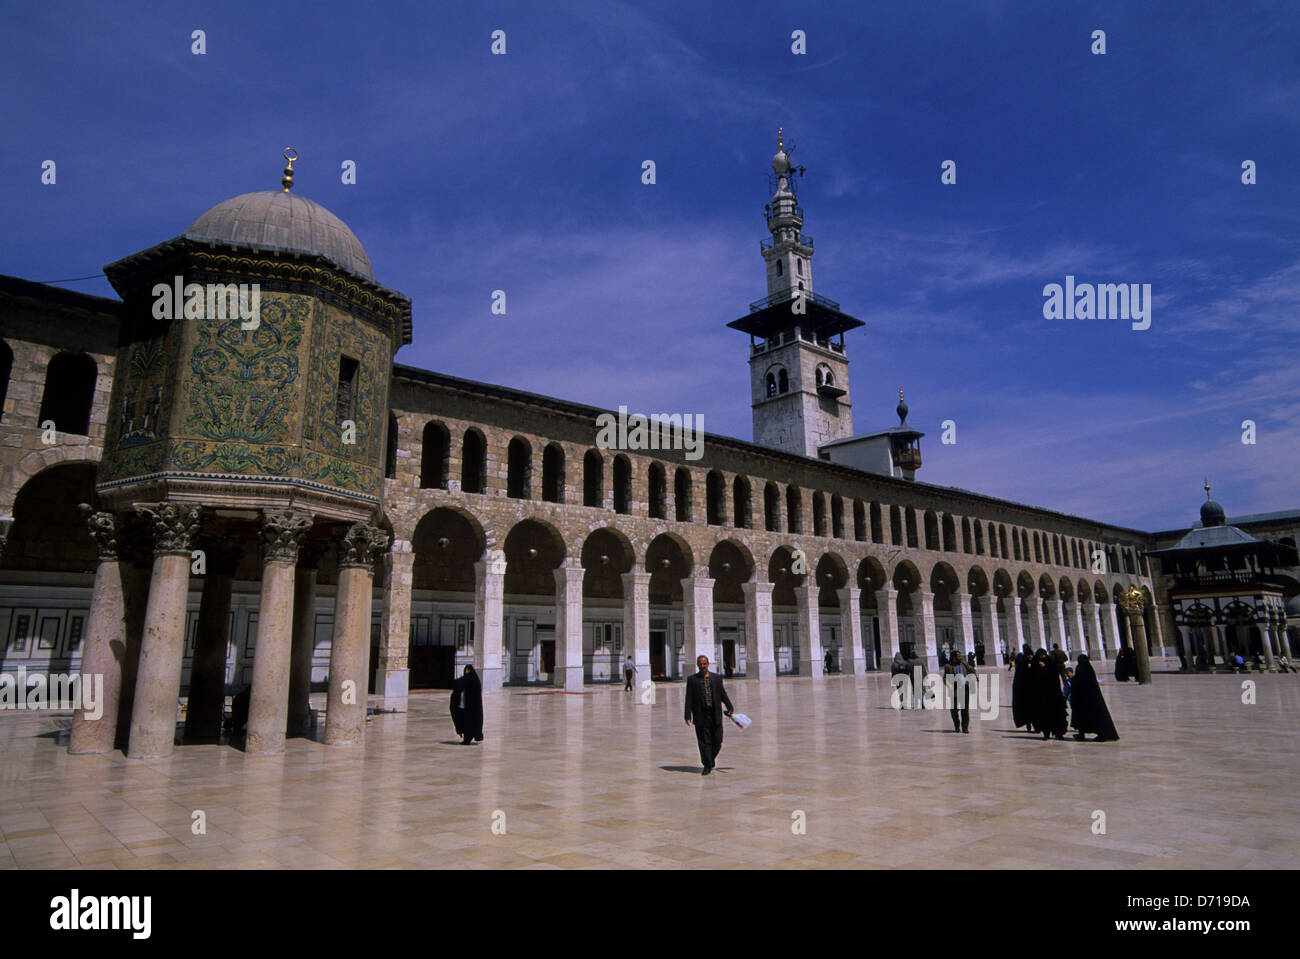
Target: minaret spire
788	253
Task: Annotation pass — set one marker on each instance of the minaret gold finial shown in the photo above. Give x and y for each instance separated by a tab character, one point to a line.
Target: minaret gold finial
900	393
286	181
1207	488
780	142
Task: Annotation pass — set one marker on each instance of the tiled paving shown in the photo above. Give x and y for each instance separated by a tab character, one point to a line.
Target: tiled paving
600	780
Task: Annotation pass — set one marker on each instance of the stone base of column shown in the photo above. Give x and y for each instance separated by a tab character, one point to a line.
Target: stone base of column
816	669
393	685
861	667
570	678
761	671
491	678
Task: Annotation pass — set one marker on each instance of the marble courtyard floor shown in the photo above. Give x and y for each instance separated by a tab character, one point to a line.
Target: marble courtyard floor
601	780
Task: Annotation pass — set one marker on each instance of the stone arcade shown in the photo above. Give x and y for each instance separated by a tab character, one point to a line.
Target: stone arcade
473	523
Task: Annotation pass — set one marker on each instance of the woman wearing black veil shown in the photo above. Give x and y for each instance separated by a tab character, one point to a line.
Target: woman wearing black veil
1045	690
1022	712
467	707
1088	712
1126	664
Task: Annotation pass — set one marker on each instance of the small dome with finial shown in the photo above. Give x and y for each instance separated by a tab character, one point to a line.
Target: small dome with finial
780	162
1211	512
281	220
901	409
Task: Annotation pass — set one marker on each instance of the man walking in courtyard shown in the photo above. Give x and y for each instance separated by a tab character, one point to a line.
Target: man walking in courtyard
629	670
705	697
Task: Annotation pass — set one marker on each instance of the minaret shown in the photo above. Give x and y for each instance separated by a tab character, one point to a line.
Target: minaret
799	372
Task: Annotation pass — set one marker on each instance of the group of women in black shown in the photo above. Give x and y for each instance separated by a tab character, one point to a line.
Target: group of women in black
1038	703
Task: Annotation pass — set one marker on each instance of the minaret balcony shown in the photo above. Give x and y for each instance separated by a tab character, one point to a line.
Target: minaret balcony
785	296
800	239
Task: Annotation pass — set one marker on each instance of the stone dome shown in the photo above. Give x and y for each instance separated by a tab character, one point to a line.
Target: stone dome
1212	514
276	220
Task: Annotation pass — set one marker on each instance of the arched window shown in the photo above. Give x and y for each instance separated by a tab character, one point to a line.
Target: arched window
931	530
519	469
793	510
799	264
912	540
682	494
740	503
771	508
593	480
6	367
895	526
69	393
390	449
771	384
837	517
553	473
859	521
473	463
967	544
979	538
658	491
993	540
782	382
713	498
819	514
622	484
877	525
433	456
780	268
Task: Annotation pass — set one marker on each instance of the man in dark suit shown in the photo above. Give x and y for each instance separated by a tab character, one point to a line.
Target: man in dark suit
705	697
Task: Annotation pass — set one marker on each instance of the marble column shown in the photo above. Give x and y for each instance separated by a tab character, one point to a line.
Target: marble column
760	652
1110	626
810	630
855	657
966	626
697	617
345	702
162	647
490	619
887	613
1138	632
392	672
1057	615
304	637
992	634
1015	626
101	651
268	705
1092	617
1285	640
1035	610
134	544
1076	622
926	603
569	673
207	698
1265	630
636	621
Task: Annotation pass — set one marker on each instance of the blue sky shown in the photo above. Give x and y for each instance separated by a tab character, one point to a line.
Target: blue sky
523	173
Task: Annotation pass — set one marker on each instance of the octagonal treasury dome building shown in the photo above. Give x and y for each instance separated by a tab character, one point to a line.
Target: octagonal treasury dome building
256	358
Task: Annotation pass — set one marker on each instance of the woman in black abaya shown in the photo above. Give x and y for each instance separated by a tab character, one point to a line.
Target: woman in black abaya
1048	702
467	707
1088	712
1022	712
1126	664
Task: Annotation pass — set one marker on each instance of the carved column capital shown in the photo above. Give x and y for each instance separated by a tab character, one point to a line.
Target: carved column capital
103	530
282	533
174	526
360	544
